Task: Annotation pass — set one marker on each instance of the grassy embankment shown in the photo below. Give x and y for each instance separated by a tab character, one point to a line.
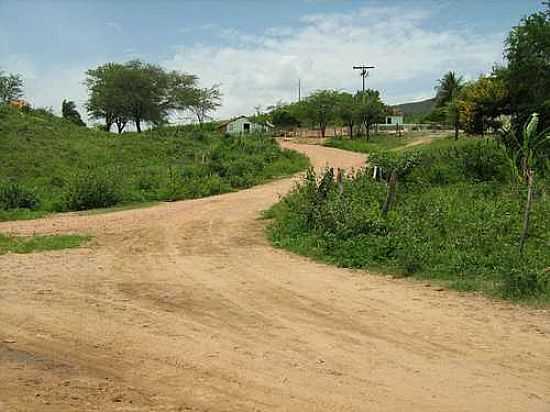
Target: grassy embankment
456	220
49	165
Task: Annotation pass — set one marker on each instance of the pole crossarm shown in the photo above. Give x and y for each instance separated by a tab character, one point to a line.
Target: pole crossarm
364	72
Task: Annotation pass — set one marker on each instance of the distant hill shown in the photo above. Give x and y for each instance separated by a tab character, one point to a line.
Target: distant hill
415	108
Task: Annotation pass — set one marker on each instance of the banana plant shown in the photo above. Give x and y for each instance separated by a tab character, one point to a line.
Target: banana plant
529	158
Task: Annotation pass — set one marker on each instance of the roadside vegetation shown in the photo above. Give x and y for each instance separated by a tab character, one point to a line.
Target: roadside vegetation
471	213
49	164
28	244
455	215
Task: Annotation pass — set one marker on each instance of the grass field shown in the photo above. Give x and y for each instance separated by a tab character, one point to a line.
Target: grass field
456	220
48	165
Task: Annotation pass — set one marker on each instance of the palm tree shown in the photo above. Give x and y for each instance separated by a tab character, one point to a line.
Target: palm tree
448	88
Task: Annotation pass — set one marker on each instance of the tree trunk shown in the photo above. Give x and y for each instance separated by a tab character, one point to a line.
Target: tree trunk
367	131
527	213
138	125
456	130
350	131
390	195
323	129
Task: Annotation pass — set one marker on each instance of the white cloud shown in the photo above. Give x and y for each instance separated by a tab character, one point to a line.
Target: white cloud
408	55
261	70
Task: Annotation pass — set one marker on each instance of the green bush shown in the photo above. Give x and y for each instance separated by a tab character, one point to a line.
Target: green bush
457	218
14	196
91	190
39	150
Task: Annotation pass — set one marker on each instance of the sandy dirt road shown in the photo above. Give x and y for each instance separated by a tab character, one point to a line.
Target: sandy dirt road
186	307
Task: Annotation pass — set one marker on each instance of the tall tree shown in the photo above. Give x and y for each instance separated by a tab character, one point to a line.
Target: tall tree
528	66
69	112
448	88
370	108
348	111
134	91
321	106
205	101
11	87
481	103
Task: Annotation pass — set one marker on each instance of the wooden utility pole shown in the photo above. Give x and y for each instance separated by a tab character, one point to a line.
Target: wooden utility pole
364	73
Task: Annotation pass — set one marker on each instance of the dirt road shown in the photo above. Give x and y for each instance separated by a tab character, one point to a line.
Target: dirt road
186	307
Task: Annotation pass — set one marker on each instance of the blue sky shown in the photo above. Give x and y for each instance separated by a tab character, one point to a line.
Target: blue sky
256	49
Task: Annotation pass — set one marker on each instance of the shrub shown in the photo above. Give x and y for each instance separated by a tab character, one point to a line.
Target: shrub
15	196
91	190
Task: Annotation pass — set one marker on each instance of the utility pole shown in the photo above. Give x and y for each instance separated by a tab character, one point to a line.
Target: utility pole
299	90
364	73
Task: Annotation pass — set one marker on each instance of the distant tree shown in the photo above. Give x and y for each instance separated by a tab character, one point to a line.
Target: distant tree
69	112
182	91
134	91
282	118
107	96
481	102
370	108
348	111
321	108
527	76
205	101
448	88
11	87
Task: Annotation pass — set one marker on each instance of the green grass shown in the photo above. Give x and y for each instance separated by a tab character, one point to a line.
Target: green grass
378	143
28	244
49	165
456	221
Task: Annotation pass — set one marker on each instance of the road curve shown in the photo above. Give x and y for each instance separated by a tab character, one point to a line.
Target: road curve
186	307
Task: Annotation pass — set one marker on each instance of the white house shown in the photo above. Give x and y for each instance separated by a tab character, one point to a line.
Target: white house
243	125
394	119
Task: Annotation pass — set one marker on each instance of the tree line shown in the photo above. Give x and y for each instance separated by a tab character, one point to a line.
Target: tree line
512	91
134	92
358	112
140	92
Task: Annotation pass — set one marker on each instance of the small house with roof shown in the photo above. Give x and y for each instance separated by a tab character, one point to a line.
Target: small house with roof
243	125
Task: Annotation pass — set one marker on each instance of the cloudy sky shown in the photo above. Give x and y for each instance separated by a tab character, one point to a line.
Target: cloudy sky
257	49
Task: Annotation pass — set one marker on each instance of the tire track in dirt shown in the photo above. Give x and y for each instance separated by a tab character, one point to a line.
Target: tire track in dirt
185	306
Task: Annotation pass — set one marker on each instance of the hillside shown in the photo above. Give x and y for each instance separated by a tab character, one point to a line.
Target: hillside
416	108
49	164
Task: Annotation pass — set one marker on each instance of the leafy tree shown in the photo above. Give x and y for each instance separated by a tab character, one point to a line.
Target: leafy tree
530	158
282	118
205	101
348	111
108	98
11	87
481	103
528	66
321	108
182	90
69	112
370	108
134	91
